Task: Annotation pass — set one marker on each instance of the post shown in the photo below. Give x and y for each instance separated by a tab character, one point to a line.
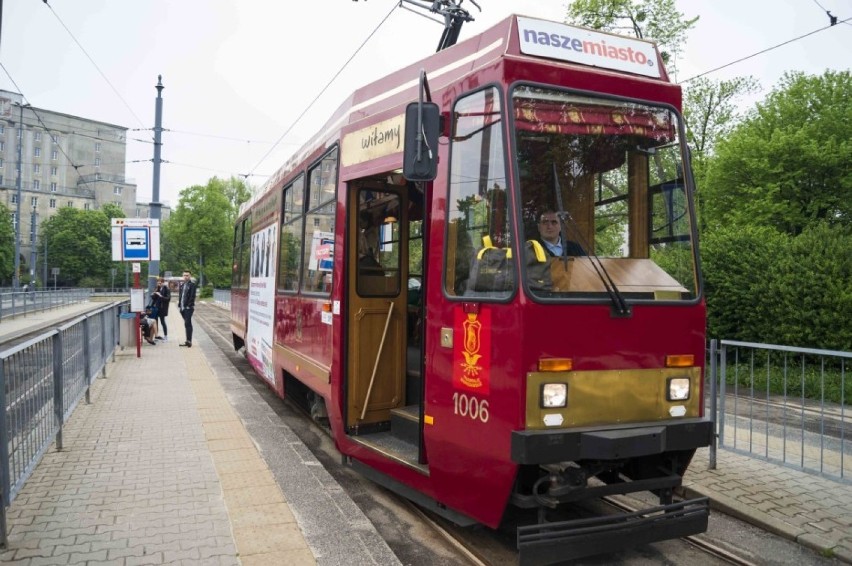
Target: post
138	316
713	403
5	487
16	277
154	206
33	248
44	279
87	357
58	387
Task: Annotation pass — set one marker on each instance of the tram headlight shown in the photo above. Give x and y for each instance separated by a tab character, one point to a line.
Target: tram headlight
677	388
554	395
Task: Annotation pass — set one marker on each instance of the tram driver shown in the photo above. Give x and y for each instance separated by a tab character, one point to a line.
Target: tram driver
543	272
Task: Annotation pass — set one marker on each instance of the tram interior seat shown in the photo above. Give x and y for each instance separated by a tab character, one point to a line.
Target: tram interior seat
492	269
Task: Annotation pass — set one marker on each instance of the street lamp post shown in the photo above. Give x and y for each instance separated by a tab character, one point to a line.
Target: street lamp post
33	233
16	279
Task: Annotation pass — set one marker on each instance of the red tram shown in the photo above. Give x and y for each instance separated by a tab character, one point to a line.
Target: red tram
394	278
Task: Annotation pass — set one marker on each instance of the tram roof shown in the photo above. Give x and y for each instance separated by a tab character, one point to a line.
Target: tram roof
521	42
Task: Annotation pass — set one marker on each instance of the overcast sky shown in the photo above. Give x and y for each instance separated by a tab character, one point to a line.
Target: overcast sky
238	73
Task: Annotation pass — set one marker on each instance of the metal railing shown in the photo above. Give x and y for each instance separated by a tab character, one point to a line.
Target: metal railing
22	303
784	404
222	297
41	383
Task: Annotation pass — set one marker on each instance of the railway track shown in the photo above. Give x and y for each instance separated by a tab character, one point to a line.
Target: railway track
697	541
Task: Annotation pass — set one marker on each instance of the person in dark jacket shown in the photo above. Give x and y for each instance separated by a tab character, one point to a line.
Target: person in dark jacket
162	295
550	237
186	304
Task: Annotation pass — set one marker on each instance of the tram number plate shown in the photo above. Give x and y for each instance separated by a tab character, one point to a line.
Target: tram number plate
470	406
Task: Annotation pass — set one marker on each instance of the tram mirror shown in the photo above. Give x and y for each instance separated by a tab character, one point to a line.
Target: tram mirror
420	154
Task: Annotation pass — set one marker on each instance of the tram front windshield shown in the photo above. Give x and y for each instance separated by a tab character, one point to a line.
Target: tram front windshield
600	200
602	197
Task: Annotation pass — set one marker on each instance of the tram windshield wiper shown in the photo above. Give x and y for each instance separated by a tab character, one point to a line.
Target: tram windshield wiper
620	308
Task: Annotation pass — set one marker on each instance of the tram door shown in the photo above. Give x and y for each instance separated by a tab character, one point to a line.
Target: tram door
376	304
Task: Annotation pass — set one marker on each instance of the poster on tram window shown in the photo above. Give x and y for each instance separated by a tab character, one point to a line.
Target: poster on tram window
322	252
262	301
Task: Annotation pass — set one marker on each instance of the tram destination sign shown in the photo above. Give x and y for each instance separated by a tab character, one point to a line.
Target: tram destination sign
587	47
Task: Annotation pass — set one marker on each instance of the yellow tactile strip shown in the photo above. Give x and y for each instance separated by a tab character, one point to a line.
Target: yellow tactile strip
264	528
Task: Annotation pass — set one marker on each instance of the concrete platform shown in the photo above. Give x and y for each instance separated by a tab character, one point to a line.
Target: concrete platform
159	469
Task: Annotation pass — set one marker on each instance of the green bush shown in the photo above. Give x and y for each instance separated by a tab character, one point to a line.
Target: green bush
765	286
813	285
736	264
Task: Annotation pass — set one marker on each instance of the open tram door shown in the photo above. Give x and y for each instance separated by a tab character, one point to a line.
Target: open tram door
384	315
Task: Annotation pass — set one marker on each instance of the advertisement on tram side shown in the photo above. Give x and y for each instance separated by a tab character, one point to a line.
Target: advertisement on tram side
261	301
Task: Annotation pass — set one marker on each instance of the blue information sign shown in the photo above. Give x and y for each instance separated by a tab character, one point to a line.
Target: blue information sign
136	243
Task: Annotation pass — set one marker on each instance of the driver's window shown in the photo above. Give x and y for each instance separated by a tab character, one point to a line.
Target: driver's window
479	235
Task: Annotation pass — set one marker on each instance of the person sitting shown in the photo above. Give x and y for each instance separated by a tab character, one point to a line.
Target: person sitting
550	237
542	272
149	326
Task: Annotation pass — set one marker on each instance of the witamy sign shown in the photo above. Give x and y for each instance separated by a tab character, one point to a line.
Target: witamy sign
587	47
372	142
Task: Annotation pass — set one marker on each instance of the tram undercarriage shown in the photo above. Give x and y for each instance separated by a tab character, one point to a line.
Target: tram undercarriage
549	488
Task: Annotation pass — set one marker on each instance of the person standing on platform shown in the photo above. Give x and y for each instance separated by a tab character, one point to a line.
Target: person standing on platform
186	304
162	296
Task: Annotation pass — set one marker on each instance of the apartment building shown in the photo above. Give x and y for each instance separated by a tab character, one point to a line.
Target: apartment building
64	161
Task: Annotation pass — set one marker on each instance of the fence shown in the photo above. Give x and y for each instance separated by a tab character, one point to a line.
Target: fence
784	404
22	303
41	383
222	297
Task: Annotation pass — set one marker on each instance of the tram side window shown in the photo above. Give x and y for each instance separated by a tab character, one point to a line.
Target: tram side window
245	253
670	224
319	226
479	234
235	263
290	246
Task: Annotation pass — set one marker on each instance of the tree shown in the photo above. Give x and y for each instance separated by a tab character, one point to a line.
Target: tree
789	164
650	19
112	210
710	112
199	233
7	244
79	244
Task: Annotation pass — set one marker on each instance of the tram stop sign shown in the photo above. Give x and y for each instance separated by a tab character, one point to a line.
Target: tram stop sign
135	239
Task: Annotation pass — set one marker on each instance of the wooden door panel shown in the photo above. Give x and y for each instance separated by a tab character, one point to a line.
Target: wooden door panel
386	392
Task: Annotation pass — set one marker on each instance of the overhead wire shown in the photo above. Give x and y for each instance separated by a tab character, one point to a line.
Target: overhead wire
75	166
325	88
328	84
831	18
265	142
36	114
740	60
93	63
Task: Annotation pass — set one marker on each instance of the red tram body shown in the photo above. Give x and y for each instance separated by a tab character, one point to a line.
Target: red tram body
457	361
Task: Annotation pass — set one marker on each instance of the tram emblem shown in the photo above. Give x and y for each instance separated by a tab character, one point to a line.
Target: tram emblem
472	355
